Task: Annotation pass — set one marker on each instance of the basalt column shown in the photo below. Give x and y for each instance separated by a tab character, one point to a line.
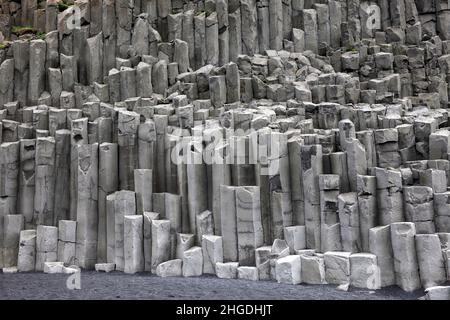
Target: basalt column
87	206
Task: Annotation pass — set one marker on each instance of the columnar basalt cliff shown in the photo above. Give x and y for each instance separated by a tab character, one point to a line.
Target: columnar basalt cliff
297	141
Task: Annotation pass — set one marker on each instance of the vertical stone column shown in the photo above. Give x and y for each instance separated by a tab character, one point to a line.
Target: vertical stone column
124	14
229	223
147	145
36	84
405	258
276	24
79	136
21	53
389	196
161	123
94	57
368	210
263	25
62	175
139	37
235	43
133	244
46	246
188	34
148	218
312	167
430	260
200	40
221	176
109	35
6	81
212	39
160	242
442	211
310	27
296	173
174	26
212	250
69	72
218	91
67	237
330	233
419	208
349	220
44	181
87	206
197	183
12	226
127	140
26	260
25	202
356	161
249	228
233	83
9	166
127	83
381	246
249	30
124	205
143	186
323	24
222	19
108	182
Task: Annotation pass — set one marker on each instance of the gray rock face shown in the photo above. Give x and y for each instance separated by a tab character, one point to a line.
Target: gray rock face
405	258
278	140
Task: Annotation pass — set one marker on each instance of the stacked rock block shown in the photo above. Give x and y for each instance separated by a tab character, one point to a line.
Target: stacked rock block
262	140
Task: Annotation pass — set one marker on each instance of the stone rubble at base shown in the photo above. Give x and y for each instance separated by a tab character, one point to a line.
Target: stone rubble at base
285	140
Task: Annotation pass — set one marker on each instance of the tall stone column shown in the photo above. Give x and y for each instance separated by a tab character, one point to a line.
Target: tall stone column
368	209
46	246
109	35
160	242
235	43
161	123
108	182
12	226
212	39
312	167
249	228
127	140
197	183
79	136
124	205
310	27
21	53
62	175
25	204
276	24
349	220
381	246
87	206
44	181
405	258
147	145
143	186
249	27
296	173
133	244
7	81
330	233
222	19
430	260
200	40
124	14
26	260
188	35
389	196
